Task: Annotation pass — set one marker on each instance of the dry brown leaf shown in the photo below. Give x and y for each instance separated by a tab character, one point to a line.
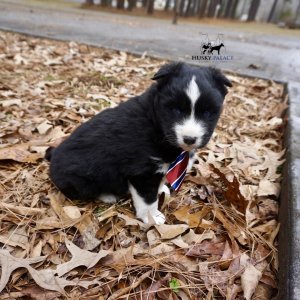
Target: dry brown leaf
267	188
72	212
170	231
233	229
132	222
123	291
249	280
192	237
10	102
263	292
10	263
161	249
34	293
110	212
80	257
231	191
19	153
192	219
16	236
44	127
22	210
37	250
48	279
88	229
206	248
179	242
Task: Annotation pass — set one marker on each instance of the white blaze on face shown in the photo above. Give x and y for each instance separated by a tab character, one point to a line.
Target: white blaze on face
190	127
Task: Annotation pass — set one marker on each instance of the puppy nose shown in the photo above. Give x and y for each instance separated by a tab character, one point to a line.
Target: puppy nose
189	140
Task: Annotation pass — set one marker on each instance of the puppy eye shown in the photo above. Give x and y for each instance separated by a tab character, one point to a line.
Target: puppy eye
177	111
206	114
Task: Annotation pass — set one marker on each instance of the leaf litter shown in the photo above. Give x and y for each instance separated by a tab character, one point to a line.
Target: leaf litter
219	241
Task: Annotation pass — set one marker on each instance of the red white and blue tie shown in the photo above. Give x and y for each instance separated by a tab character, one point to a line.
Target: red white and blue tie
177	170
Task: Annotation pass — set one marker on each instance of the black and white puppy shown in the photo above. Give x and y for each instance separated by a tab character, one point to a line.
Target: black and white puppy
130	147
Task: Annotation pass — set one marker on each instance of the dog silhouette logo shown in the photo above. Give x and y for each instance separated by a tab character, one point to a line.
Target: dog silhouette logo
213	51
209	46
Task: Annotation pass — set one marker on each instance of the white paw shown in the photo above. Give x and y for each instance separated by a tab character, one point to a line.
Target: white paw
191	161
155	217
158	217
164	189
107	198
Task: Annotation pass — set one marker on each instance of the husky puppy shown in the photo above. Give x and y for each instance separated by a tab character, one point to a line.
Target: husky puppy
130	147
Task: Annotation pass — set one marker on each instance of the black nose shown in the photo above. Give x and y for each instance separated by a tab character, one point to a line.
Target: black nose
189	140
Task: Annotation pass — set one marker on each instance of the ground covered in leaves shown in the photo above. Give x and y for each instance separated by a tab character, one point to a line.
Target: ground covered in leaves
219	241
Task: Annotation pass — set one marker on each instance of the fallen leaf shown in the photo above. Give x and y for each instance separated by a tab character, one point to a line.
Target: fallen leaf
16	236
10	263
80	257
44	127
231	191
192	237
19	153
206	248
192	219
267	188
10	102
170	231
22	210
72	212
233	229
249	280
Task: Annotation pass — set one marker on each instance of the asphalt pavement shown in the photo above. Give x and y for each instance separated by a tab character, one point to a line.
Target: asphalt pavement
254	53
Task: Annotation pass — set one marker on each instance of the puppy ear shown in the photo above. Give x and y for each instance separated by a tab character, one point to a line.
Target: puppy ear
167	71
220	80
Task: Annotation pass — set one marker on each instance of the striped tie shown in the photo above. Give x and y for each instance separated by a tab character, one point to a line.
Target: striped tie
177	170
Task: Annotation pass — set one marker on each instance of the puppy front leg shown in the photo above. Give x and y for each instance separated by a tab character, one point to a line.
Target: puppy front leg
144	192
192	158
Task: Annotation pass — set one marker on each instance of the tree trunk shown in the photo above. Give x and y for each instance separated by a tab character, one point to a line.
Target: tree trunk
175	12
191	11
131	5
144	3
187	11
120	4
89	2
212	8
167	5
271	15
253	10
104	3
150	7
233	9
202	8
297	12
181	8
196	7
228	9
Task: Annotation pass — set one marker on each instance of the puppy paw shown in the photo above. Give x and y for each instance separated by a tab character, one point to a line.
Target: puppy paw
158	217
164	189
151	217
108	198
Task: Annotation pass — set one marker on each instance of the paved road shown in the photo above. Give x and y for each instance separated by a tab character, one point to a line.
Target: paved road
276	57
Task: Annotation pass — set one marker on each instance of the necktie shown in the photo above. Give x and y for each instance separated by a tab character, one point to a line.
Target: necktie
177	170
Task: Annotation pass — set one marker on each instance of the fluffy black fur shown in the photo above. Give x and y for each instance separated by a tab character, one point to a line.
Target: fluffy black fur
117	146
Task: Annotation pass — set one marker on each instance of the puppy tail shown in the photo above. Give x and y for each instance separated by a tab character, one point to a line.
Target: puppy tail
48	154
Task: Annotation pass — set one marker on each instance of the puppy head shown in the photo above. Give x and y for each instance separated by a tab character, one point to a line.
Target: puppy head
190	101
